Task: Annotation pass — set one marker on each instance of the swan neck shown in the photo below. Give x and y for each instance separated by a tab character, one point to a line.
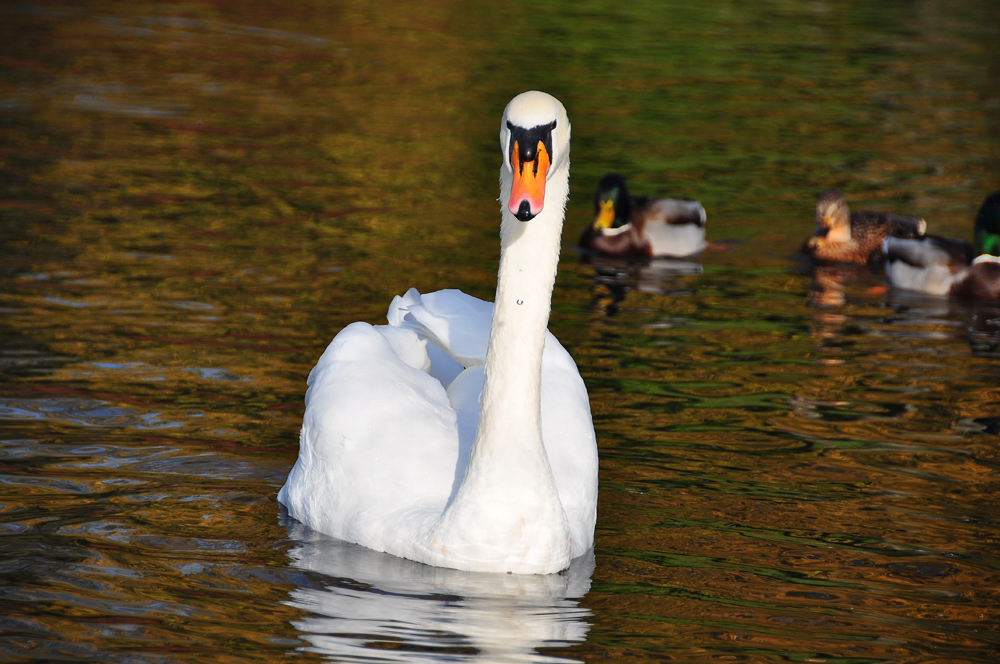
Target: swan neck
507	507
529	257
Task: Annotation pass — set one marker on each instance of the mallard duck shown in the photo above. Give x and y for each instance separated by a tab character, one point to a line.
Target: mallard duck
942	266
843	236
459	435
627	226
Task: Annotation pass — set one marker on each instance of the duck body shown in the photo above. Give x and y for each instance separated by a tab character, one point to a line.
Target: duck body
930	264
459	435
947	267
846	236
640	226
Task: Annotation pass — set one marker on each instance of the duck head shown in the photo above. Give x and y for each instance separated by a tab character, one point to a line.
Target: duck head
988	226
833	219
534	137
612	203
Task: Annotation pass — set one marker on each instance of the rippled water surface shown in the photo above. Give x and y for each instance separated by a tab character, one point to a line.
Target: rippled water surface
796	464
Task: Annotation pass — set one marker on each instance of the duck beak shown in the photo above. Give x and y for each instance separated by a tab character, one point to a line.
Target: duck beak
827	229
527	195
605	216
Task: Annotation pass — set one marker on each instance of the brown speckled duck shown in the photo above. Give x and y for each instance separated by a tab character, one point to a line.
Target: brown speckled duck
643	227
942	266
843	236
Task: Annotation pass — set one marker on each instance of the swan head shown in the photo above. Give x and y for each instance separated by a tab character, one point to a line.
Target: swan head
534	137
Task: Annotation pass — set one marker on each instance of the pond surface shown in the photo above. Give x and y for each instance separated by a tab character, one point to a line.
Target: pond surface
796	464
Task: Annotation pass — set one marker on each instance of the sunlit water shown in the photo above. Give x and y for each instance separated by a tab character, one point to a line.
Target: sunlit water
796	464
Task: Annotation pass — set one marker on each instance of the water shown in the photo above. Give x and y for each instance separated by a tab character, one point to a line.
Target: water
796	464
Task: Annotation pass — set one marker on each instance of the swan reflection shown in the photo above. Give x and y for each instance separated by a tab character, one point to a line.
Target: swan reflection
380	608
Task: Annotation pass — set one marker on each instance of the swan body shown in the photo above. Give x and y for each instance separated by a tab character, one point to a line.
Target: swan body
845	236
459	435
642	227
956	268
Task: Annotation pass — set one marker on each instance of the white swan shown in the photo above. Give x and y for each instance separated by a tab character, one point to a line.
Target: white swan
460	434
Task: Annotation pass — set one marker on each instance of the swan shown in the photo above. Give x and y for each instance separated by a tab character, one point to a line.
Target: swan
640	226
460	435
843	236
943	266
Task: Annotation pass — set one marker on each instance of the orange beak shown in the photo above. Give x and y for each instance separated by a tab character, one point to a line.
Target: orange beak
527	195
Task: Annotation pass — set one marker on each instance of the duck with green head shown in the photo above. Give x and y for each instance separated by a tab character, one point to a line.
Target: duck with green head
640	226
942	266
846	236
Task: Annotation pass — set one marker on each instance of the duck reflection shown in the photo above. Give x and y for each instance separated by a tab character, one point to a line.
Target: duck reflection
914	315
984	328
830	282
942	317
828	293
615	276
381	608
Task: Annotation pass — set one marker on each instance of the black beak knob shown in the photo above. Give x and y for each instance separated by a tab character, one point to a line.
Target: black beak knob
524	212
528	151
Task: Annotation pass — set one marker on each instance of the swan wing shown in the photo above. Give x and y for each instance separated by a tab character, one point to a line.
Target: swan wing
457	323
379	441
570	442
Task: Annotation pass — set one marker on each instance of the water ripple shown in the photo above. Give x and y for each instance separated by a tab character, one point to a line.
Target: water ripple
84	412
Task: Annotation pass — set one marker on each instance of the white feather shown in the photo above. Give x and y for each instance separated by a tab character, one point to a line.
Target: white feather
675	239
